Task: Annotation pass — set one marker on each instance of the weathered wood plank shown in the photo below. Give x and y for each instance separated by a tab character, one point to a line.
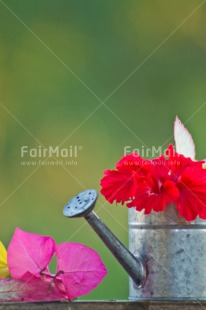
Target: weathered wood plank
105	305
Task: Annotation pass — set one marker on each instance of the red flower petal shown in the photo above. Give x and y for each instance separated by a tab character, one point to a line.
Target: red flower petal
119	186
150	185
134	163
155	192
192	187
177	163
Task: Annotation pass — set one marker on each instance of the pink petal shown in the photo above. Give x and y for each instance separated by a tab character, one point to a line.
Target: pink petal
29	288
11	290
29	252
183	140
41	290
82	268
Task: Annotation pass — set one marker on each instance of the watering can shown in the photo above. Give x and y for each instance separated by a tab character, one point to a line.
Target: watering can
166	259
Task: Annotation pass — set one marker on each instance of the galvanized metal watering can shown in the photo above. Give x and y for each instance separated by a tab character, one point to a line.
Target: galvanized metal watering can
167	257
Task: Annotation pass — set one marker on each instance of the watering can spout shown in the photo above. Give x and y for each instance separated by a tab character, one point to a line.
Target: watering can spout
82	206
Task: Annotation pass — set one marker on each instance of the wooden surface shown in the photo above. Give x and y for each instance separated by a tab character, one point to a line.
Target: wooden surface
106	305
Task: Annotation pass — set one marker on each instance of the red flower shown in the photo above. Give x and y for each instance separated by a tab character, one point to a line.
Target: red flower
134	163
118	185
192	187
155	191
121	184
177	163
152	184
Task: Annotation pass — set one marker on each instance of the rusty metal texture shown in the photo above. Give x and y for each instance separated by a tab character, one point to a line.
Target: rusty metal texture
175	253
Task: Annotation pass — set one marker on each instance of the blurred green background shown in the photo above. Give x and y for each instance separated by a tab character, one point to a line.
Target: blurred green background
59	60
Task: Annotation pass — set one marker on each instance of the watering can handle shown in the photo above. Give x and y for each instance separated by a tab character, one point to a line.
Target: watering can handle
82	205
135	266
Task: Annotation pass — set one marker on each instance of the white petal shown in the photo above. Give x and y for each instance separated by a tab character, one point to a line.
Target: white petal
183	140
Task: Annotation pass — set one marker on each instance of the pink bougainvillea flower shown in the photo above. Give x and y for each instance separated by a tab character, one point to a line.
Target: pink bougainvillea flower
29	288
82	269
150	185
79	268
29	252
